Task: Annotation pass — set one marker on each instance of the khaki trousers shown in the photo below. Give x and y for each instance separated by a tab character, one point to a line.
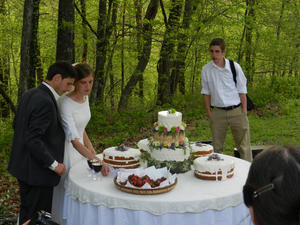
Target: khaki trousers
238	121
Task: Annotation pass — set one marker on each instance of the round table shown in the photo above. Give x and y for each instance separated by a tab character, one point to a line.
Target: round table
193	200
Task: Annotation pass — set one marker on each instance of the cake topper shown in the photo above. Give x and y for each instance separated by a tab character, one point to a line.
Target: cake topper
171	111
121	148
199	143
215	157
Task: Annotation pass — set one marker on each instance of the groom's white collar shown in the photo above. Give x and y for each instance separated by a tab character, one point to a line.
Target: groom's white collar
56	96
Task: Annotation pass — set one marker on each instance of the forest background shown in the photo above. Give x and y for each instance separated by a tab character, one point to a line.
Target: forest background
147	56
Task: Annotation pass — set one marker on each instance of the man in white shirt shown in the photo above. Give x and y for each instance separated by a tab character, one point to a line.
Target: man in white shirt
225	102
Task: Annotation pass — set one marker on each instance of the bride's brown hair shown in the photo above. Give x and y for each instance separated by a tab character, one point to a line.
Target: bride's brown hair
83	70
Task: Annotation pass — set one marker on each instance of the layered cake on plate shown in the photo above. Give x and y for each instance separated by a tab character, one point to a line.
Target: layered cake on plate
168	147
199	149
214	167
122	157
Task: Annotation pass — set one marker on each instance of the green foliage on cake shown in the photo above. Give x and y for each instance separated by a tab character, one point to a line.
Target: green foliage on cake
174	166
183	144
164	130
172	111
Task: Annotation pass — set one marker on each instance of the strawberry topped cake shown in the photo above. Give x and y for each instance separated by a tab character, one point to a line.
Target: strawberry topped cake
148	178
138	181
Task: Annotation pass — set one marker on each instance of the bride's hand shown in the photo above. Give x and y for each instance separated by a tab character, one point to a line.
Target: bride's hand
97	159
105	169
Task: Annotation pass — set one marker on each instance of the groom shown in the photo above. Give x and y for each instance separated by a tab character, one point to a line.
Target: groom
38	143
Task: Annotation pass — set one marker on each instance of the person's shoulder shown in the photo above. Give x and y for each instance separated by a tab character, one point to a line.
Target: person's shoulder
66	104
236	64
35	94
63	100
207	66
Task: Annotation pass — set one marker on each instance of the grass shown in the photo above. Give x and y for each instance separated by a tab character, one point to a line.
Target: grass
274	124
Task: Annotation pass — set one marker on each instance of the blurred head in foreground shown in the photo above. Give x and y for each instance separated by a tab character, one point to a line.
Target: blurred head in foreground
272	189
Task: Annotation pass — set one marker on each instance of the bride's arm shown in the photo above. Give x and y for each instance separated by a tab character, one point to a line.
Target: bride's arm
88	143
82	149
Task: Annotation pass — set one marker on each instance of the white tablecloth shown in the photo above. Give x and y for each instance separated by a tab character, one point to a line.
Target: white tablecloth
192	201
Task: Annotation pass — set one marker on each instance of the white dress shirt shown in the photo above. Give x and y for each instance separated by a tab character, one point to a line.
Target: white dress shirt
56	96
219	84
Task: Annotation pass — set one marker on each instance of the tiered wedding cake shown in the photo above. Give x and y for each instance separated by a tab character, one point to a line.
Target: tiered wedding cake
168	147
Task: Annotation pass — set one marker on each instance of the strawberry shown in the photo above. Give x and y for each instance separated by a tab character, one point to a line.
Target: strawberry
139	183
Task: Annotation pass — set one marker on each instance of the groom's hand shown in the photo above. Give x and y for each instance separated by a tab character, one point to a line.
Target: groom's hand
60	169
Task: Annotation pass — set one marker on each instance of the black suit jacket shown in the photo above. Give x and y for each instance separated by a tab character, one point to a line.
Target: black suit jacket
38	139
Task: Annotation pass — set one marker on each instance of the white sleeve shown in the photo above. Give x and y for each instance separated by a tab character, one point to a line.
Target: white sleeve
66	113
204	82
241	80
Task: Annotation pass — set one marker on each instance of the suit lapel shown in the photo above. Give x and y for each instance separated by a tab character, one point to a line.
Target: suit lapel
48	91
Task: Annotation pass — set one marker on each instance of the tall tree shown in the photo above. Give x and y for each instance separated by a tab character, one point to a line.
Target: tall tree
84	31
29	46
65	31
165	65
278	31
139	25
122	47
249	25
4	68
104	31
177	75
143	55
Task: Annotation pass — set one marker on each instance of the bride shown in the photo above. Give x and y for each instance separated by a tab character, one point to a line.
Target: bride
75	113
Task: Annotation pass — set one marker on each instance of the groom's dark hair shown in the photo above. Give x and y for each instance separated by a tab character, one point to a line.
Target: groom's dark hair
65	69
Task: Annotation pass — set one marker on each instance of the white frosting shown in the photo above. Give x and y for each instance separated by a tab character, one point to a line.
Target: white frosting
178	154
213	175
123	166
112	152
201	164
170	155
202	148
170	120
144	145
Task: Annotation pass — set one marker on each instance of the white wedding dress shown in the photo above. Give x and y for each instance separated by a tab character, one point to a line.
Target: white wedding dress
75	116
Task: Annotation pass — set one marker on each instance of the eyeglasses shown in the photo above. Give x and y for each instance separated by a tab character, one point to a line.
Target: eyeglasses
250	193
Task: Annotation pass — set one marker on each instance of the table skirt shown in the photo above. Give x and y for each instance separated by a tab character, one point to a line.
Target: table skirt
77	213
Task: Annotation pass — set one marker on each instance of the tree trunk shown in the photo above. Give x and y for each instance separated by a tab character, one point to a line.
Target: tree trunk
111	78
104	31
143	55
138	18
276	57
4	82
122	48
177	76
250	21
241	50
194	73
29	46
65	31
84	31
39	68
4	70
165	65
